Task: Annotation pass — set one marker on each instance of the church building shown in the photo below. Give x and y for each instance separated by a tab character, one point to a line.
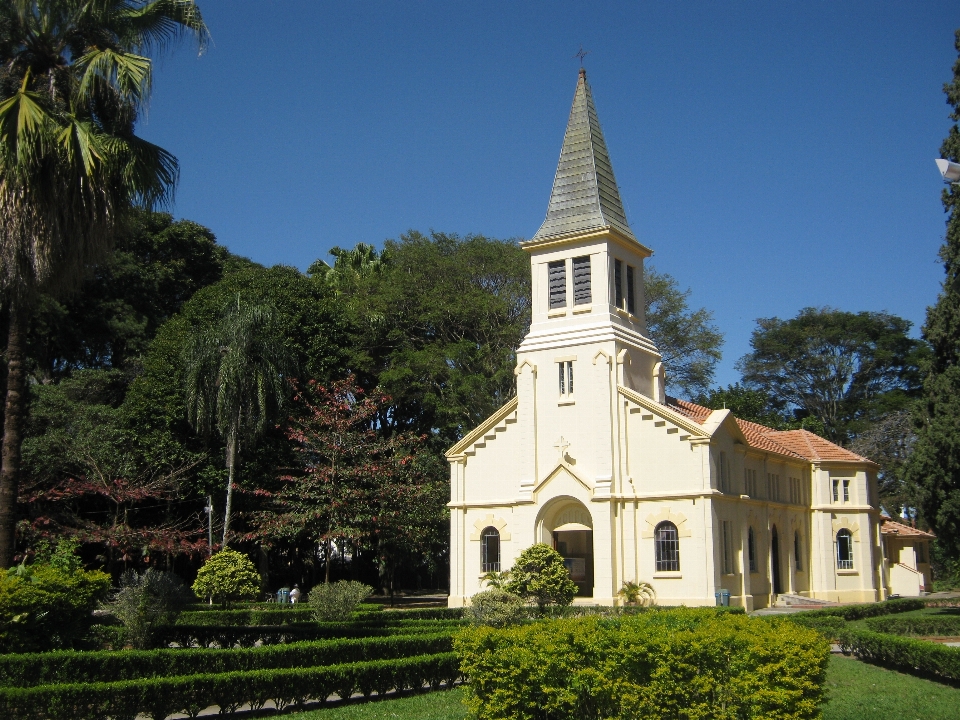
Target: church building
593	458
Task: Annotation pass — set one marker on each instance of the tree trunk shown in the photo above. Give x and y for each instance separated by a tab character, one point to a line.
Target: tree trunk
231	463
14	419
326	576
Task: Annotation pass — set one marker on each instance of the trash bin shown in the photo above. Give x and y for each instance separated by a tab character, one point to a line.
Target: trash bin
718	598
725	598
283	596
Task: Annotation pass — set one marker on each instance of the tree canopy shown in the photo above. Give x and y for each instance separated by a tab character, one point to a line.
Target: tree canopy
934	466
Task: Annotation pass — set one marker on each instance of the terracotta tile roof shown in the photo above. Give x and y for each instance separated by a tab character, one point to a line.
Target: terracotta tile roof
892	527
792	443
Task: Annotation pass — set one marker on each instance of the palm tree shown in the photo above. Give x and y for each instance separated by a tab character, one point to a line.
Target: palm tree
362	261
74	76
236	382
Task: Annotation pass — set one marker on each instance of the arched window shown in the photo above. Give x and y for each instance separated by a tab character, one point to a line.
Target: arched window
490	550
751	550
844	550
798	563
666	545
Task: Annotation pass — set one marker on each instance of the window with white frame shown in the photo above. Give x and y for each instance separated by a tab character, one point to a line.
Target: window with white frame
557	283
666	545
581	281
566	377
490	550
846	491
844	550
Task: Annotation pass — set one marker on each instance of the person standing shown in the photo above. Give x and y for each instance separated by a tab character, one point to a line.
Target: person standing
295	594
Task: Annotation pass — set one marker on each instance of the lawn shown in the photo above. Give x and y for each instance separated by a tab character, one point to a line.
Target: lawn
857	691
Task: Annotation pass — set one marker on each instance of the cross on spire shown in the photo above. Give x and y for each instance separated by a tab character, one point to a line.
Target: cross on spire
582	54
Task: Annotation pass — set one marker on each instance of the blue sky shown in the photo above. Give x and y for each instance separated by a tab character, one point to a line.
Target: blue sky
774	155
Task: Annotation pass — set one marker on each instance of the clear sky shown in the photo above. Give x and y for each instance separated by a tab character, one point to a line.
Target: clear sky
774	155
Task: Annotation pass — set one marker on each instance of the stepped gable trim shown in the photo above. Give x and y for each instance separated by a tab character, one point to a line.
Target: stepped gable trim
478	432
666	412
892	527
815	447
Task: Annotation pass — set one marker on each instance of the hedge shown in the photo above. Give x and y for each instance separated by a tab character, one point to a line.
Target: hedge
695	663
209	636
828	626
918	657
859	612
944	626
66	666
161	697
292	615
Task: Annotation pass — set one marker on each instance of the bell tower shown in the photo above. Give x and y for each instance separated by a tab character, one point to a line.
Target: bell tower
587	267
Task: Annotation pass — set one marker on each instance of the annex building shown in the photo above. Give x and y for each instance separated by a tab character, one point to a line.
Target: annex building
627	483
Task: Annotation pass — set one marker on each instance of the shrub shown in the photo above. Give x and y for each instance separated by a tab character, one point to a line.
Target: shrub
638	593
540	575
229	575
496	608
679	663
918	657
859	612
160	697
46	606
147	600
334	602
929	625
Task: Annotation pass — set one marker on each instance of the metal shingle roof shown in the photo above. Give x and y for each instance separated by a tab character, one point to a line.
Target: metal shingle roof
585	194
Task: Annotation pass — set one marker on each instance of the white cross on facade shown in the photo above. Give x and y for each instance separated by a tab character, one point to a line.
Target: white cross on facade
562	446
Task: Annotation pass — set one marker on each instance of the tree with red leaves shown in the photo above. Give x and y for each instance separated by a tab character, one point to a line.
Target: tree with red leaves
355	486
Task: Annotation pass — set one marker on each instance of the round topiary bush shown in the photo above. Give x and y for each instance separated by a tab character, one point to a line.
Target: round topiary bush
540	575
226	577
496	608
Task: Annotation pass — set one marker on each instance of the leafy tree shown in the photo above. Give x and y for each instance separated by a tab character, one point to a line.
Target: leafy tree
354	485
757	406
846	369
495	607
687	339
540	575
363	261
335	602
73	81
934	467
235	381
230	576
889	442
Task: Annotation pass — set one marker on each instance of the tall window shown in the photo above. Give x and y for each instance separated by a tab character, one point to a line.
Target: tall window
750	482
581	281
666	545
566	377
631	294
798	563
618	283
752	550
723	480
846	491
490	550
729	563
836	491
844	550
557	282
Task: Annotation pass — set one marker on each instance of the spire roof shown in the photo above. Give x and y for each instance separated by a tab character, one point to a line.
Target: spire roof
585	195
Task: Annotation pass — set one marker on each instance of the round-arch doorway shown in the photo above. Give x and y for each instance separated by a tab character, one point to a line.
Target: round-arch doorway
567	526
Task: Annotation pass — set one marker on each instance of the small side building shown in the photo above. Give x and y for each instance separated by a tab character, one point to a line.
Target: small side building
907	554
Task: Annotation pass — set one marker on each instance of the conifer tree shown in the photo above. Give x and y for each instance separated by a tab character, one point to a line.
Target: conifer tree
934	467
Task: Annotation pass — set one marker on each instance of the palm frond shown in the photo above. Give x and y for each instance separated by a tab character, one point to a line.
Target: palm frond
158	24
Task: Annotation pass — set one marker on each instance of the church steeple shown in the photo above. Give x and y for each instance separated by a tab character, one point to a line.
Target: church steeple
585	196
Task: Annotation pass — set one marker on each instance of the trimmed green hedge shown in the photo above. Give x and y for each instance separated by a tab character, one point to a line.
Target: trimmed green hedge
859	612
944	626
695	663
828	626
28	670
209	636
918	657
296	614
160	697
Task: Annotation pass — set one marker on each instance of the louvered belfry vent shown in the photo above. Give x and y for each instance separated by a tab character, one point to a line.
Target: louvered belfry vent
581	281
585	194
557	279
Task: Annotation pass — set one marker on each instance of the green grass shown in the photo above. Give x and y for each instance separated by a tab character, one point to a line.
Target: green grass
856	691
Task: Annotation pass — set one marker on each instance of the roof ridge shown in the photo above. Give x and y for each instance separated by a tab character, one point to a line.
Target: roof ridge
585	195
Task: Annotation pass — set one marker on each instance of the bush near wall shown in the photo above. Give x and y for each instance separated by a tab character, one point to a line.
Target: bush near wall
211	636
684	662
918	657
160	697
943	626
28	670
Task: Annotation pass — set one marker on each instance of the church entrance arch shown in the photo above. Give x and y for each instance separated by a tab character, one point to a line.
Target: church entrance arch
567	526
